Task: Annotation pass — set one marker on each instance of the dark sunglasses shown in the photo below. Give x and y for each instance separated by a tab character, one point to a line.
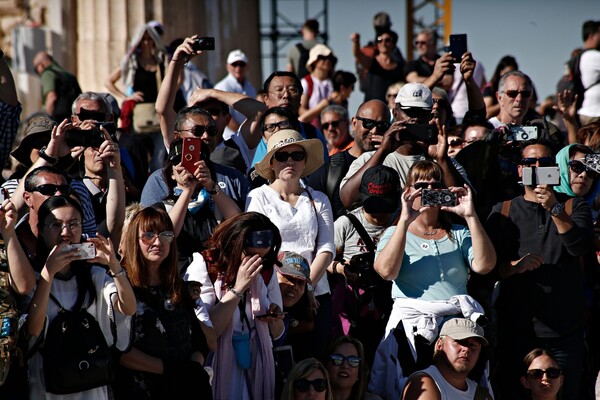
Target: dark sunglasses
456	143
283	156
426	185
50	189
514	93
85	115
418	42
543	161
333	124
198	130
384	40
238	64
165	237
302	385
578	167
552	373
370	124
277	125
338	359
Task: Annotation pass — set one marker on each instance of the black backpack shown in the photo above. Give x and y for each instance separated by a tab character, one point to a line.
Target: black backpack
575	84
302	71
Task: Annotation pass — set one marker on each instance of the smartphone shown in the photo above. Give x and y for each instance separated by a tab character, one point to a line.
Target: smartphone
269	314
458	46
533	176
3	195
86	138
284	359
190	153
522	133
204	43
422	132
110	127
437	198
85	250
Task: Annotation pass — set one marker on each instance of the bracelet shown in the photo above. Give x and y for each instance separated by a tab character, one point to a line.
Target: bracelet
215	190
122	272
238	294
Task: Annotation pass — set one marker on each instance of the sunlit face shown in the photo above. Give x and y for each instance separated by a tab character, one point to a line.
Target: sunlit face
581	182
455	144
88	105
362	135
385	43
335	129
202	120
292	289
439	109
461	355
516	107
94	165
279	94
35	199
423	44
274	123
343	376
311	394
288	169
155	251
238	70
62	225
534	151
544	387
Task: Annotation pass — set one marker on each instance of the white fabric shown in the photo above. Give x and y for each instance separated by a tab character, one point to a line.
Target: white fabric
230	84
418	316
322	89
496	123
447	391
302	230
460	100
590	74
245	151
66	293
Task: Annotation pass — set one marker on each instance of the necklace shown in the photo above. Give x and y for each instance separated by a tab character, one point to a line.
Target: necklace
430	233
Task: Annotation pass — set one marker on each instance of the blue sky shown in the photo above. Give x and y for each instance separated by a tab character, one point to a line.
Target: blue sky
540	34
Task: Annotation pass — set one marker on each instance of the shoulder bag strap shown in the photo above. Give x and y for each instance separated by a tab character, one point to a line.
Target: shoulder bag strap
335	173
481	393
362	232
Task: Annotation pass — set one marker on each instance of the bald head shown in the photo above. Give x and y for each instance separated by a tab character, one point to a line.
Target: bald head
374	107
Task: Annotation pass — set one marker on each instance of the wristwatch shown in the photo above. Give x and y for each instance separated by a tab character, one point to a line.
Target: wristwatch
310	287
557	209
42	153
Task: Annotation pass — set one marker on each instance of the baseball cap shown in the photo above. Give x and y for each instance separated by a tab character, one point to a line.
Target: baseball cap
294	265
462	328
380	190
414	95
237	55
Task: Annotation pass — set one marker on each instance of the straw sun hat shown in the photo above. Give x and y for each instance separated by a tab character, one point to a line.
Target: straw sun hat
288	137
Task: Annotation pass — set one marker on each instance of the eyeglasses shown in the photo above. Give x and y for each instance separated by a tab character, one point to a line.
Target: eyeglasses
370	124
51	189
302	385
552	373
514	93
283	156
333	124
578	167
58	226
198	130
456	143
384	40
91	115
338	359
238	64
426	185
271	128
165	237
392	95
542	161
280	91
420	42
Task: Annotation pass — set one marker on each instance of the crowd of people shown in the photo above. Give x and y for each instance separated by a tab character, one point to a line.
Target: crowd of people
439	242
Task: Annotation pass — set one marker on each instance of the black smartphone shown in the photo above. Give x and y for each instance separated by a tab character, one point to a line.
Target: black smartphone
86	138
270	314
204	43
458	46
110	127
438	198
422	132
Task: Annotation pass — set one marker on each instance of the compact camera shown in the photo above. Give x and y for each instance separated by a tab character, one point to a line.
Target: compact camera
533	176
85	250
362	265
84	137
437	198
421	132
203	43
522	133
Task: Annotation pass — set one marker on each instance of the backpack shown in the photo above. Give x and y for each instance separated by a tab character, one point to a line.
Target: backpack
9	321
574	84
304	52
310	84
75	354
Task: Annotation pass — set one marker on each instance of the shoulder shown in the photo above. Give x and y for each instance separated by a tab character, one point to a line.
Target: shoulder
421	385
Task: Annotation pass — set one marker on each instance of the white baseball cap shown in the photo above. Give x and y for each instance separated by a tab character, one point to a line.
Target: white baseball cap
237	55
414	95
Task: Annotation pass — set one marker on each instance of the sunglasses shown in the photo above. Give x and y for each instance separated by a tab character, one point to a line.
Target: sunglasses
283	156
419	42
165	237
384	40
238	64
50	189
91	115
578	167
338	359
514	93
456	143
392	95
333	124
426	185
302	385
198	130
370	124
552	373
543	161
271	128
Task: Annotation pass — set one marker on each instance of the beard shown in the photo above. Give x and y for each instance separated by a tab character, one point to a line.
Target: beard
460	367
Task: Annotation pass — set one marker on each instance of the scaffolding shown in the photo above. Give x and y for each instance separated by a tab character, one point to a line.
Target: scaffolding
418	18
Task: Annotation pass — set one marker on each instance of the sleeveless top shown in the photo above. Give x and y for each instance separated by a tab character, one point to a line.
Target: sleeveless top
448	391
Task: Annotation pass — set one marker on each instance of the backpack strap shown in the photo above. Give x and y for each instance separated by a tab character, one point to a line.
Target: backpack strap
335	173
310	84
505	208
360	229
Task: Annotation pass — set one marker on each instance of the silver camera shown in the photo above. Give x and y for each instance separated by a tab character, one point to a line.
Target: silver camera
522	133
85	250
438	197
533	176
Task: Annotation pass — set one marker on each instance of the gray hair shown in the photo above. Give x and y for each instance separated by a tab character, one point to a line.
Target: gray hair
91	96
502	82
336	109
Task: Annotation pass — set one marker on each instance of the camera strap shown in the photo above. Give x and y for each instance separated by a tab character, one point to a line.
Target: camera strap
360	229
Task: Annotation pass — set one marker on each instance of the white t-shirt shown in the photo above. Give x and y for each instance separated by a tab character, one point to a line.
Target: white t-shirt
590	74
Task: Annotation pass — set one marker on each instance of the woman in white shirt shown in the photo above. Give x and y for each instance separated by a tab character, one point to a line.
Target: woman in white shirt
303	215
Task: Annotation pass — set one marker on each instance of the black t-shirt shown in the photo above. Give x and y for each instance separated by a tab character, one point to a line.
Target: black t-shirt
419	66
